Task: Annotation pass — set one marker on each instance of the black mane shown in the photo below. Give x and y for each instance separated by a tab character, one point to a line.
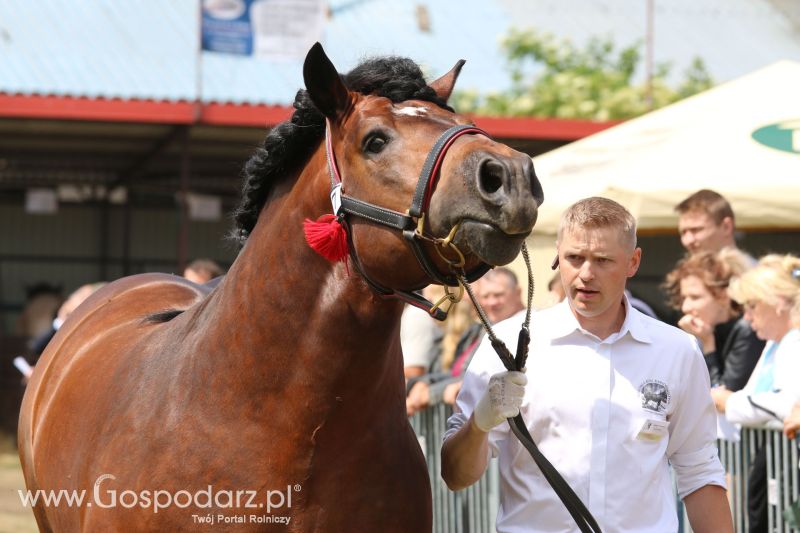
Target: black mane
291	143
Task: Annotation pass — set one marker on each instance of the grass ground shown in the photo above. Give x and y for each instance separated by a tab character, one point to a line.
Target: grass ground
14	517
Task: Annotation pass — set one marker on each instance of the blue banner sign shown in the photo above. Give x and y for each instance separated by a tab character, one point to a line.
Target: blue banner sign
226	26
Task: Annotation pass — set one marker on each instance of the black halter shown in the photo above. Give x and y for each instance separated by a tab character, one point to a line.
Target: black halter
411	224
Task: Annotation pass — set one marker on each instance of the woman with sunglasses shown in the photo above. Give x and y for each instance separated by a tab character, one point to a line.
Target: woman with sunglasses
770	294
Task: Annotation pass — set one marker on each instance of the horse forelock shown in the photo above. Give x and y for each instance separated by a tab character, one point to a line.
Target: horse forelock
291	143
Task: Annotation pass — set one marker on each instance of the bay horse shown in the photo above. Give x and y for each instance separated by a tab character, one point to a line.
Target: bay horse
276	399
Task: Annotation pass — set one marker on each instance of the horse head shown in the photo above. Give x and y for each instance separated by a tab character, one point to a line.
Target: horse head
482	194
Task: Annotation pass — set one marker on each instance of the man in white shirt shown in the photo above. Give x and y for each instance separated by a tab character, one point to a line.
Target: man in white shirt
610	396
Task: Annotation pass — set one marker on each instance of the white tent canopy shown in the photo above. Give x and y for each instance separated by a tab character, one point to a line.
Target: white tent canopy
651	163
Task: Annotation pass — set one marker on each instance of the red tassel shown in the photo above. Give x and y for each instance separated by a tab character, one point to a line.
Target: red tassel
327	237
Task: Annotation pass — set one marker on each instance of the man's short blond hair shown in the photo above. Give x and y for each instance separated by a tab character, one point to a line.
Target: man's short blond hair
597	212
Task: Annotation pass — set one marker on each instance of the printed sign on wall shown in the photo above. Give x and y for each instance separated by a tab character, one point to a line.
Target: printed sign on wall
272	29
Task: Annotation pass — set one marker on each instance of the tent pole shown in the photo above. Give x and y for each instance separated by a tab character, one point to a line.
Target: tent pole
183	230
648	54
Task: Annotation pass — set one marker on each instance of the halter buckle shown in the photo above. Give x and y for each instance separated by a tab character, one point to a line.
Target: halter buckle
448	297
420	231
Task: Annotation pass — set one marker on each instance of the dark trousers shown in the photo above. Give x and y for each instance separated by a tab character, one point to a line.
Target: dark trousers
757	493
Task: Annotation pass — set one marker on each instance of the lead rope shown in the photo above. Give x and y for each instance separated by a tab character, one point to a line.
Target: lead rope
583	518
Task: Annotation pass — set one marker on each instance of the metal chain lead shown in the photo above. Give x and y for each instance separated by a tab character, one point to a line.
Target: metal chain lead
527	259
482	315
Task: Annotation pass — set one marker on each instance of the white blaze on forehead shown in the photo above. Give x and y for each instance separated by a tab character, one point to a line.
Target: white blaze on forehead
411	111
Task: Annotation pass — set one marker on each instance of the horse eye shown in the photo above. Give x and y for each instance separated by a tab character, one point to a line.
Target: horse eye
375	144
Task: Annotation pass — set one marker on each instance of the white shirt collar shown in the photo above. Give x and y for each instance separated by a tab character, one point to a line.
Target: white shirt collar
635	324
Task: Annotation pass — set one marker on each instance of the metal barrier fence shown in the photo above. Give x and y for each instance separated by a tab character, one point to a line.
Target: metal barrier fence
736	458
783	478
474	510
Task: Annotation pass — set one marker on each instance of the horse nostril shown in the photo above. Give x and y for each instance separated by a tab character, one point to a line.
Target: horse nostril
536	186
491	175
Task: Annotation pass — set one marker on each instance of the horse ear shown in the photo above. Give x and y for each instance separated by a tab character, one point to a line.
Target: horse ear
444	85
324	85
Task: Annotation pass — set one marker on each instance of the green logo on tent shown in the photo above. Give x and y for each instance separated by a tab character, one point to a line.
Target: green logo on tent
783	136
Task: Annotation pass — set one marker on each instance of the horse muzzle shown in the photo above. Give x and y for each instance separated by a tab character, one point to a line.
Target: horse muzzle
497	208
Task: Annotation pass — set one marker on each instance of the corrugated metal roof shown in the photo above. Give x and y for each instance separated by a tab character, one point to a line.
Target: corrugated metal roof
132	49
467	29
146	49
470	30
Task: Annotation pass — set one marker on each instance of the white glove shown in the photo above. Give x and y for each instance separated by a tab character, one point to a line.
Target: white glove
501	400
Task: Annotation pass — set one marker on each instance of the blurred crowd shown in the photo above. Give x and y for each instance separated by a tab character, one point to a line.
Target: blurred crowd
744	314
45	311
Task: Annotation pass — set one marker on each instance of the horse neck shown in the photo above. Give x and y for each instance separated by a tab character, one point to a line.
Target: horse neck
291	317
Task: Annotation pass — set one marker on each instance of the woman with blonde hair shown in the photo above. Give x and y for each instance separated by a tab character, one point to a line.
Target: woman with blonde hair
770	294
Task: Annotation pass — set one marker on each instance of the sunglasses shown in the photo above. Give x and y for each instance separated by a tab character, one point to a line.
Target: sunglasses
750	305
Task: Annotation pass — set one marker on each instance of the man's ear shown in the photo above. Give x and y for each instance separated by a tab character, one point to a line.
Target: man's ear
324	85
727	225
636	260
444	85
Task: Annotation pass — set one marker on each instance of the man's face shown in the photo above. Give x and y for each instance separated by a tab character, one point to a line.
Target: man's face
594	266
498	298
700	233
196	276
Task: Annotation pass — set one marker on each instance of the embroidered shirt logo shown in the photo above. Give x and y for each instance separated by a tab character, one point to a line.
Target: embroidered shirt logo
655	395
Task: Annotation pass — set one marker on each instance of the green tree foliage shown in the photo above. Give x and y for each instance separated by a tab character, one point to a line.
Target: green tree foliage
594	83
